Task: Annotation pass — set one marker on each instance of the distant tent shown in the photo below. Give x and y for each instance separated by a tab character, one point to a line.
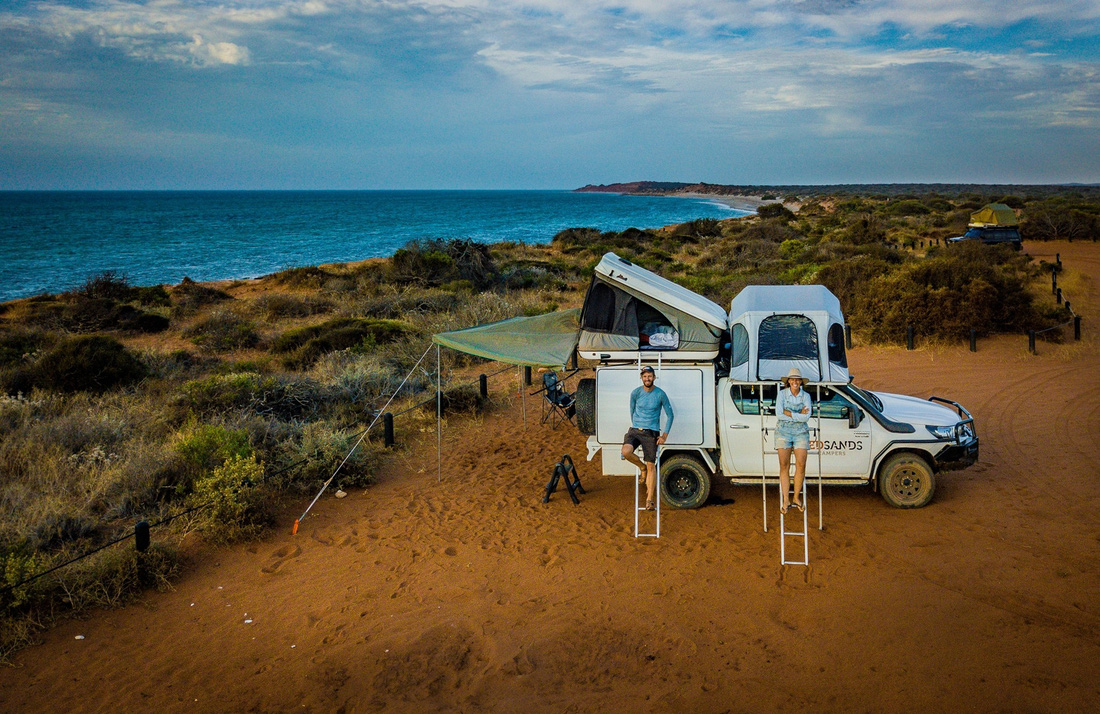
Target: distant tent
994	214
629	310
776	327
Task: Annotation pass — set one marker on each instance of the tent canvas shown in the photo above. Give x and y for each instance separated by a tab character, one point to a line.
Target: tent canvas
540	341
776	327
994	214
628	309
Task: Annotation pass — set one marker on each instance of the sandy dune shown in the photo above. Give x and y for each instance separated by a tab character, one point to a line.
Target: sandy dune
472	595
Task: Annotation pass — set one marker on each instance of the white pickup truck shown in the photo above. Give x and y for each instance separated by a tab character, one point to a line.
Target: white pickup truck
722	376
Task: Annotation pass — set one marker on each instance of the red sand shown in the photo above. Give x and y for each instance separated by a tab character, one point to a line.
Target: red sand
472	595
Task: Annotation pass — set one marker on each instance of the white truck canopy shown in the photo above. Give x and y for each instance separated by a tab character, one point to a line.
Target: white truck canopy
776	327
630	312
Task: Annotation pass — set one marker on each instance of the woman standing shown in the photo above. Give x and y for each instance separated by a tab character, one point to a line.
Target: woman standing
792	412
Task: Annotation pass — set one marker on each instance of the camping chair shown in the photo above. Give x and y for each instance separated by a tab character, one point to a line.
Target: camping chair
557	404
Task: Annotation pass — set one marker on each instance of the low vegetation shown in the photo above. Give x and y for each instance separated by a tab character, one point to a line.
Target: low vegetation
121	403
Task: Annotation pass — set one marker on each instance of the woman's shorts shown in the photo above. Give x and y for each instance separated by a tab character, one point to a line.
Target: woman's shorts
792	435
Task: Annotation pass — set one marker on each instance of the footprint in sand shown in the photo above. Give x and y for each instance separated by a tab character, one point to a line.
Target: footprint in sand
281	556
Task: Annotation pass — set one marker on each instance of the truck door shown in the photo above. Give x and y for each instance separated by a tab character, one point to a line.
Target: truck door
845	450
748	440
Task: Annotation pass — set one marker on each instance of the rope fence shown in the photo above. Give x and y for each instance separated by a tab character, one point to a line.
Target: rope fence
142	530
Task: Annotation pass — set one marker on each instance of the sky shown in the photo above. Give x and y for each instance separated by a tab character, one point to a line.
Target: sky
545	94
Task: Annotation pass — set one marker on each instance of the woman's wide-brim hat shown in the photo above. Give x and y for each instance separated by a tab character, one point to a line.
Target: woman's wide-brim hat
795	374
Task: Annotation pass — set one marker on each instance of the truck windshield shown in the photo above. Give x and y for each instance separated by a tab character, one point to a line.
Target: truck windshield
869	396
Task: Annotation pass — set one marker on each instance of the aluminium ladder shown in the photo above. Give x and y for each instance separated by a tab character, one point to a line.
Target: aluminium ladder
804	534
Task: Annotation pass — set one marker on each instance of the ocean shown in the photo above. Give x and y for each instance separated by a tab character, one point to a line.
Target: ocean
52	241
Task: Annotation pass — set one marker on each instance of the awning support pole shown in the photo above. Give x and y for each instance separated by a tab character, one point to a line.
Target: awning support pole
763	470
522	396
439	413
820	448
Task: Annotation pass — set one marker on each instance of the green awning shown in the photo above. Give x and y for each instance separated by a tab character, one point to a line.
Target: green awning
540	341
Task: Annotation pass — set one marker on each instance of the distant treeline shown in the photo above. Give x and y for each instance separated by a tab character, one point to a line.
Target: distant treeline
868	190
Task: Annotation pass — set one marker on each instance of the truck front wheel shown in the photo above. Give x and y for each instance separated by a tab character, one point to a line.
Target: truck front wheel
685	482
906	481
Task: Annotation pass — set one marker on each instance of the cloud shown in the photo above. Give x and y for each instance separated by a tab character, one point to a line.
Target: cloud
480	81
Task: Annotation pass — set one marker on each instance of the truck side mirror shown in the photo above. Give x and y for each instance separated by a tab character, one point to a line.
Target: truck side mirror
855	416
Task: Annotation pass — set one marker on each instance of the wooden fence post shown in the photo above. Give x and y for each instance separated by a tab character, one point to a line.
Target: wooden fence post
387	429
909	337
973	340
141	536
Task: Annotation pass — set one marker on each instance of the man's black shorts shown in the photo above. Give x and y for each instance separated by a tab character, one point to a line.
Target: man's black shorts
648	440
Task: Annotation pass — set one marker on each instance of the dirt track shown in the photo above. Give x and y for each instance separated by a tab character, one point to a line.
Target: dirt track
473	595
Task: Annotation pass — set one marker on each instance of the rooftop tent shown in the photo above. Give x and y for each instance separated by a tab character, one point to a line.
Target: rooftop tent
629	309
994	214
776	327
540	341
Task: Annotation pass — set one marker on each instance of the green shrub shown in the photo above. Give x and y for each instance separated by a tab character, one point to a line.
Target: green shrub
697	229
153	295
946	295
235	502
413	301
304	345
223	332
277	305
96	314
108	285
775	211
202	447
267	395
309	276
908	208
93	364
575	238
189	296
436	262
324	448
19	346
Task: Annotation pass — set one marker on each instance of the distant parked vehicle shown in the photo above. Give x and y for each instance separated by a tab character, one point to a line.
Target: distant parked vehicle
995	224
991	235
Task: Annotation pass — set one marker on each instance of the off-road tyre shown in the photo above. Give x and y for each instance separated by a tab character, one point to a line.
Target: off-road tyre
685	482
585	403
906	481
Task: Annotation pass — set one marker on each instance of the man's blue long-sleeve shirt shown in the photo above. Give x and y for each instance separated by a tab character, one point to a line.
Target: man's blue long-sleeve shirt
645	409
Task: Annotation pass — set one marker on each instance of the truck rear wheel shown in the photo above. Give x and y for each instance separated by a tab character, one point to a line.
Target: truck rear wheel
585	403
685	482
906	481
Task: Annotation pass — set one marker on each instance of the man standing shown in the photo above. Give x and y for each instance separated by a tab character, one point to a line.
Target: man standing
646	403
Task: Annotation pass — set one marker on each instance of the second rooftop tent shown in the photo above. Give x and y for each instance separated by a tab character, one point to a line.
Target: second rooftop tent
776	327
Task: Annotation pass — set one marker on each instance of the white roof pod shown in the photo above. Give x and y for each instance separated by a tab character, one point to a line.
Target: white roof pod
630	312
776	327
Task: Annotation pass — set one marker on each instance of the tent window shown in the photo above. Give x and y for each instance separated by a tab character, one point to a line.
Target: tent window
740	340
599	309
836	345
654	329
788	337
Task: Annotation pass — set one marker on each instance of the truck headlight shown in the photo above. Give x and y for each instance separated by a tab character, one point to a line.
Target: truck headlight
946	433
